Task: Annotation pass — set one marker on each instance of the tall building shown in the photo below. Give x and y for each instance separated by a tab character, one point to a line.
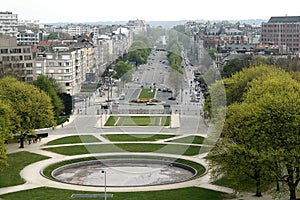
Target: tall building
16	59
282	31
8	23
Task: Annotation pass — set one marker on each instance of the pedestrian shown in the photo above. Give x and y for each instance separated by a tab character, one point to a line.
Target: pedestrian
62	125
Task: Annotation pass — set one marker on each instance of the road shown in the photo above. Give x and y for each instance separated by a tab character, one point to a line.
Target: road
156	73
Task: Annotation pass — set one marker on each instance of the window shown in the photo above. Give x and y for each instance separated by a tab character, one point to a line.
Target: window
27	57
67	84
4	51
5	58
67	70
26	50
28	64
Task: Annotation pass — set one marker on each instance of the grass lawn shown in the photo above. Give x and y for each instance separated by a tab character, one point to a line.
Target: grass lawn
138	121
147	93
74	140
126	147
136	137
189	140
17	161
244	183
191	193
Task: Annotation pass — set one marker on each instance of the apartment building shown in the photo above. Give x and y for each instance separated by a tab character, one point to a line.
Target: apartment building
16	59
69	63
282	31
27	37
111	47
8	23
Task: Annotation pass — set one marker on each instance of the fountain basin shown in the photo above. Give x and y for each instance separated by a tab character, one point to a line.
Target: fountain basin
124	172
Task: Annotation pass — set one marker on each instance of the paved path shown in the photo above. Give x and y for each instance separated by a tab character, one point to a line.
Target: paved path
31	173
82	124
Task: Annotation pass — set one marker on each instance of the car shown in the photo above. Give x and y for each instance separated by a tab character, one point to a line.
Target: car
172	98
121	97
150	103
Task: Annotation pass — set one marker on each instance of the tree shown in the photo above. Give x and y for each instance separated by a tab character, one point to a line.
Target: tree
238	84
123	71
6	126
53	36
261	134
278	116
50	86
32	107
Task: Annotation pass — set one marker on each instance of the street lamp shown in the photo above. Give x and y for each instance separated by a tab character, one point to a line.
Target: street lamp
104	183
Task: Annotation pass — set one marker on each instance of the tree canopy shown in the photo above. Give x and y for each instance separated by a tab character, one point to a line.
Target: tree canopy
261	135
32	106
50	86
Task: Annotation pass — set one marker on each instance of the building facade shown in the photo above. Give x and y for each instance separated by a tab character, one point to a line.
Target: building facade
16	59
27	38
282	31
67	65
8	23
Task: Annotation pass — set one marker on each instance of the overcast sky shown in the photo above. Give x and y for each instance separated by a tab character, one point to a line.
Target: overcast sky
48	11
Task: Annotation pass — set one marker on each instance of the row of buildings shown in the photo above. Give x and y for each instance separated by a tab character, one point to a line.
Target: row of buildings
71	62
278	35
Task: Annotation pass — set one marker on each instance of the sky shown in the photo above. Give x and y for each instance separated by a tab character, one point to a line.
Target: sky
51	11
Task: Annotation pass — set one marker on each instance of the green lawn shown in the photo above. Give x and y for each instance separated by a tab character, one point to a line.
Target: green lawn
74	140
136	137
191	193
17	161
127	147
138	121
147	93
189	140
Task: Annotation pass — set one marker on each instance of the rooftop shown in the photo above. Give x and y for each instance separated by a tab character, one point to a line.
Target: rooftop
285	19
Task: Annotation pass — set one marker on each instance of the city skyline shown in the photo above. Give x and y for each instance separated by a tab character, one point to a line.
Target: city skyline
118	10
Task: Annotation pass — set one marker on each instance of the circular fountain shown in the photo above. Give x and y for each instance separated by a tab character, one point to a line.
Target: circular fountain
124	172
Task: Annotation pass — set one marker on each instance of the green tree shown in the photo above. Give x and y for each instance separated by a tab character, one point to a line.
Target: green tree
50	86
123	71
6	125
138	52
53	36
261	134
278	115
32	106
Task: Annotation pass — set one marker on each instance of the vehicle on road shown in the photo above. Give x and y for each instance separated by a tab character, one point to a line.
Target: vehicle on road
150	104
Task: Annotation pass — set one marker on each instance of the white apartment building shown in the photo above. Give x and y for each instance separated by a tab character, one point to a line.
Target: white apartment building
78	29
67	65
27	38
8	23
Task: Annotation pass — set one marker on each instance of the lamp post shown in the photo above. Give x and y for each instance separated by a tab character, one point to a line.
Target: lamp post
104	183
